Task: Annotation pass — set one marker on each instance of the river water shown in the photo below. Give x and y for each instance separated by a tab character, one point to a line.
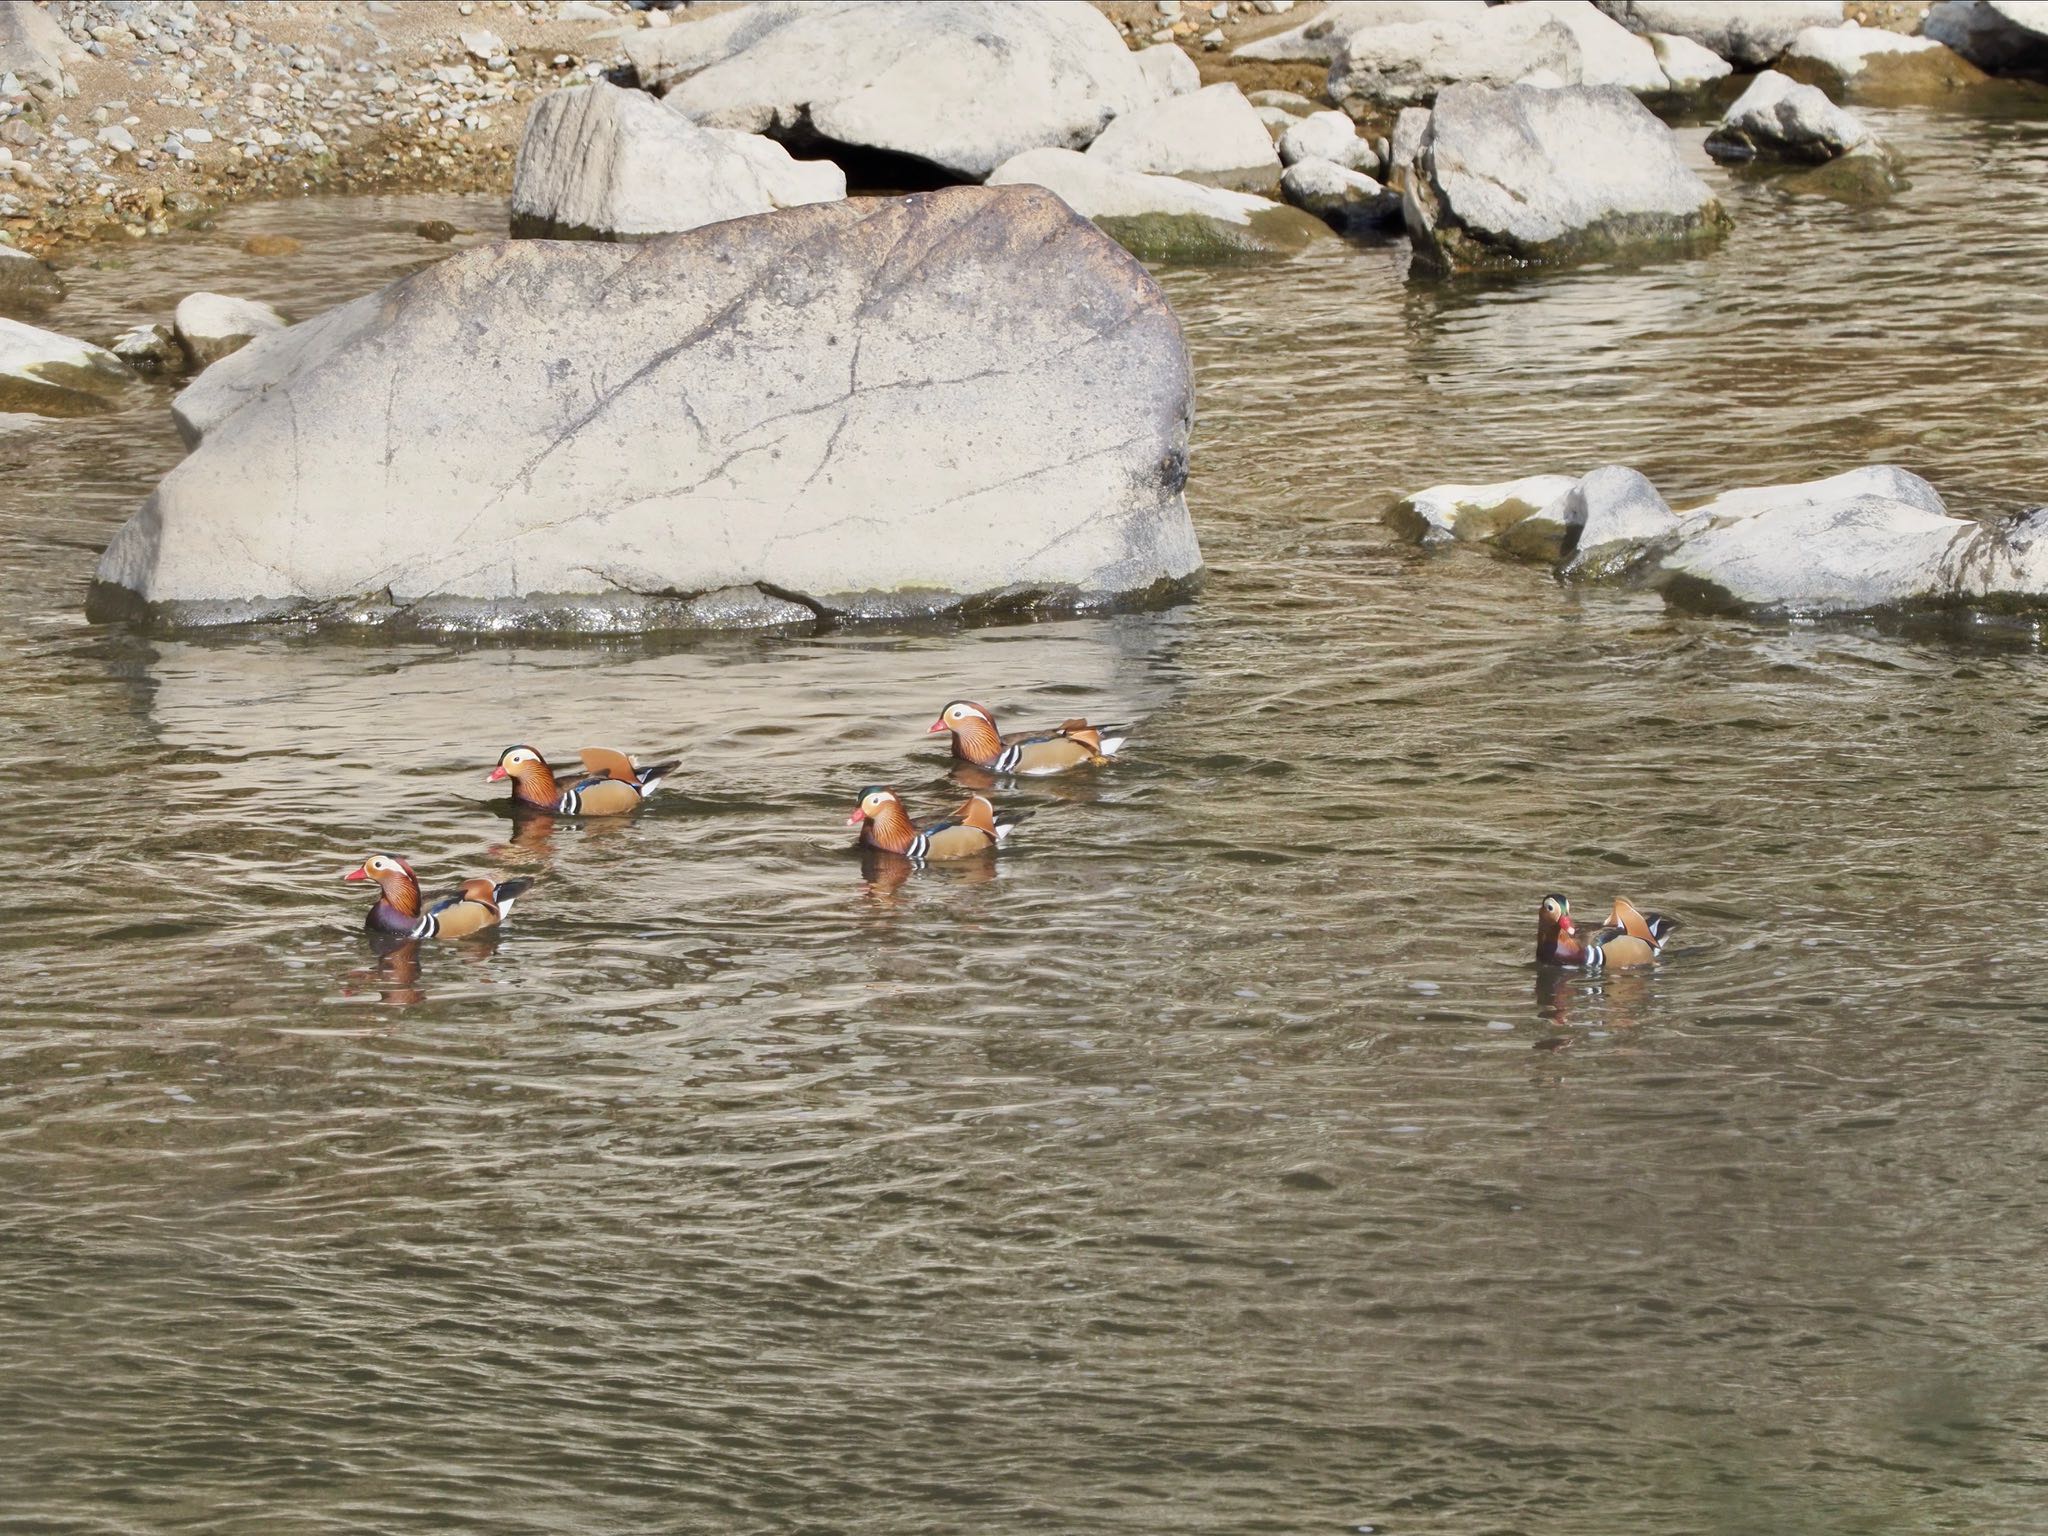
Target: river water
1216	1161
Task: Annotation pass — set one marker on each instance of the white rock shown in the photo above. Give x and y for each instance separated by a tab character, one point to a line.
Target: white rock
1402	147
1609	54
1163	218
148	348
48	374
1317	39
1687	65
1871	63
1213	136
960	84
888	407
1779	118
1616	518
1473	514
2002	36
1407	64
211	326
1511	175
661	58
118	139
582	10
1349	201
1750	33
600	161
482	44
197	135
1169	71
1328	136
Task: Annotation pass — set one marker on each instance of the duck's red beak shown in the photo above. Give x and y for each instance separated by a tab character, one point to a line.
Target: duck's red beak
358	873
857	817
937	726
496	774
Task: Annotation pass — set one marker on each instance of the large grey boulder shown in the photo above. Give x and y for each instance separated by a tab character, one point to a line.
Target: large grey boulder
27	286
598	162
33	48
2006	37
1163	218
1855	63
47	374
1213	135
1408	63
1349	201
1871	539
211	326
961	85
907	406
1747	33
1874	539
1318	39
1515	175
662	56
1780	119
1609	54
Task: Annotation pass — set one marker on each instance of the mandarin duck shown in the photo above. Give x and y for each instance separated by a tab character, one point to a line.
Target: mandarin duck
475	906
1628	937
974	828
610	785
976	740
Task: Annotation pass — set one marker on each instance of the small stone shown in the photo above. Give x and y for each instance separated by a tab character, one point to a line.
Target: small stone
148	348
197	136
271	245
440	231
1213	38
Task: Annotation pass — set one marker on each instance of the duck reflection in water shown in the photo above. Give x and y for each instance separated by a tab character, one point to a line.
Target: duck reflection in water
1605	999
885	872
394	975
533	832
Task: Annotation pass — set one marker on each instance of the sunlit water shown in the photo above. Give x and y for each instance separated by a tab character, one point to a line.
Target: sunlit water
1216	1161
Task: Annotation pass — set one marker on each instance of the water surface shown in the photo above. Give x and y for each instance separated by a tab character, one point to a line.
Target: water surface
1217	1160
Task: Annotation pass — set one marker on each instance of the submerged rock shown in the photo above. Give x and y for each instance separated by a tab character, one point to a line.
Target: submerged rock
959	400
598	162
149	348
27	286
1874	539
48	374
1476	514
1163	218
1213	136
1349	201
1507	177
1871	64
962	85
1781	119
2006	37
1749	34
1409	63
212	326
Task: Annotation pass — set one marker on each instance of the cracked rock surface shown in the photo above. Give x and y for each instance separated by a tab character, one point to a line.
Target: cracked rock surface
888	408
